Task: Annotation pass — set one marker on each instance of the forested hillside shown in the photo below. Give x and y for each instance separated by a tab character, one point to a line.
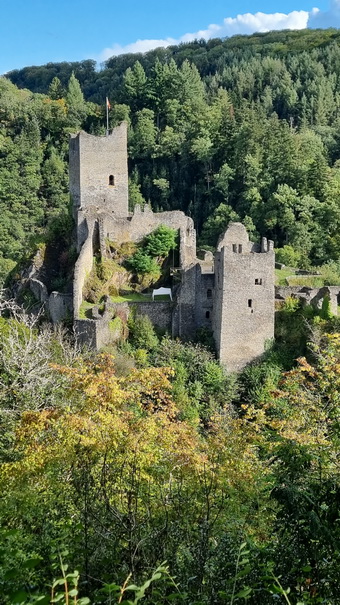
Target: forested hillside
246	127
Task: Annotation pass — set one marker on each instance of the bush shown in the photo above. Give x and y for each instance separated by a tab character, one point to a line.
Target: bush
6	266
142	333
142	263
288	256
161	241
200	383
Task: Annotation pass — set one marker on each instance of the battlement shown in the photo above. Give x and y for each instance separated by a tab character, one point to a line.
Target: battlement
236	241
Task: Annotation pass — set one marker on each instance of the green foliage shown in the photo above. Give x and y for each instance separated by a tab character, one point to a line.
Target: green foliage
325	312
200	384
217	223
288	256
239	129
75	102
142	333
141	262
161	241
135	196
102	454
55	90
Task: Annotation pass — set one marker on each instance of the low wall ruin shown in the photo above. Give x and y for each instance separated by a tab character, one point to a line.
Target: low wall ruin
311	296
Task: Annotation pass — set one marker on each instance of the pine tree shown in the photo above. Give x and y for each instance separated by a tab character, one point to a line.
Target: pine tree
55	90
75	102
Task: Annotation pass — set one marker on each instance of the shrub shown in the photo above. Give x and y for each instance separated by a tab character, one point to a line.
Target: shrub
288	256
325	312
142	333
142	263
161	241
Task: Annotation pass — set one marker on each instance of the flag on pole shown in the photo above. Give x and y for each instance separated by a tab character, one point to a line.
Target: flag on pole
108	106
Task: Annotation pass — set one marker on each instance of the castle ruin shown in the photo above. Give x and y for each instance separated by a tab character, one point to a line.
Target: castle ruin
231	293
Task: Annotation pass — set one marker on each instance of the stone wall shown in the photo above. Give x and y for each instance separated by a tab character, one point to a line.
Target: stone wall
204	300
92	333
39	290
60	306
143	222
311	296
97	333
92	161
184	317
160	313
243	313
82	269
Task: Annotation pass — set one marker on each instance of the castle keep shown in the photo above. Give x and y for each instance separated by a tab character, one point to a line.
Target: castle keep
231	293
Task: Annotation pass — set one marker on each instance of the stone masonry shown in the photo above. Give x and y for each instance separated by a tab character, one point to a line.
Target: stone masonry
231	293
243	312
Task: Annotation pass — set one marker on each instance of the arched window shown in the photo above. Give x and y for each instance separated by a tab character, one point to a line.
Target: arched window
111	180
209	293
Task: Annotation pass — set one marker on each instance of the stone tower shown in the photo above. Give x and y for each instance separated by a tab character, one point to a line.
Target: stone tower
99	172
243	311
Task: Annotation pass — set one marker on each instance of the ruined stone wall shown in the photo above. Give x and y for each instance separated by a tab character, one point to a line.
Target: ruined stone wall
92	160
82	269
39	290
184	324
92	333
98	333
204	300
243	314
60	306
141	223
160	313
311	296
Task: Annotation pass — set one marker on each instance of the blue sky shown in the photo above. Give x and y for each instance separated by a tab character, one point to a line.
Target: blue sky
34	32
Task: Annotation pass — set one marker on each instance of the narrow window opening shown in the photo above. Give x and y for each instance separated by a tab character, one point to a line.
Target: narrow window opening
209	293
258	281
111	180
240	248
234	247
250	303
207	314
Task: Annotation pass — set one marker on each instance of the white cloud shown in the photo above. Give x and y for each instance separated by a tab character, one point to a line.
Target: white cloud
242	24
140	46
330	18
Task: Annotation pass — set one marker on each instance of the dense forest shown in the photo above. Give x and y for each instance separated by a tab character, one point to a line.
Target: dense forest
145	472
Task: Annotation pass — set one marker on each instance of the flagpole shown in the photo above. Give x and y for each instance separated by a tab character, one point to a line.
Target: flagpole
107	116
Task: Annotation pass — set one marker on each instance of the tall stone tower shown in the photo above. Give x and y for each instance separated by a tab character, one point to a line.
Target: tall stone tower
99	172
243	312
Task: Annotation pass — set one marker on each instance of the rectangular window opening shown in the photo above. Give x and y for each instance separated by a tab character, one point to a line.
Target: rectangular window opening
250	303
240	248
258	281
234	247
